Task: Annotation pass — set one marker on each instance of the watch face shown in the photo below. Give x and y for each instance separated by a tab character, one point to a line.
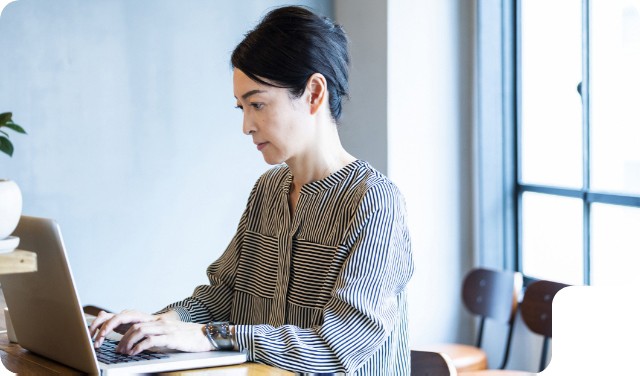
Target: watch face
219	335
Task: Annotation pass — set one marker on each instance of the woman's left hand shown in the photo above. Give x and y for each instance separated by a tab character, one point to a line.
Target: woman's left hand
172	334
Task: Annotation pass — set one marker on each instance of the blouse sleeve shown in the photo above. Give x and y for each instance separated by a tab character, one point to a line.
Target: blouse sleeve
365	302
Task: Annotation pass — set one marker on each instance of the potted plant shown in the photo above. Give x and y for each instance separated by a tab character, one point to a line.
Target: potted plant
10	196
6	122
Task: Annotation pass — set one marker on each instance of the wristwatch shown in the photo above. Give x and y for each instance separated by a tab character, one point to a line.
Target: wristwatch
221	335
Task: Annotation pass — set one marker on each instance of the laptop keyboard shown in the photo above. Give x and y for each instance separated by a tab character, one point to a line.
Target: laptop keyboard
107	354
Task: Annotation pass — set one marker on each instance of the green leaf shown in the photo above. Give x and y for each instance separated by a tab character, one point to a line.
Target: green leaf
5	117
6	146
14	126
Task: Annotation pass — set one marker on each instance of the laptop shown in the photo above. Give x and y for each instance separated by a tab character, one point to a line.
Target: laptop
48	318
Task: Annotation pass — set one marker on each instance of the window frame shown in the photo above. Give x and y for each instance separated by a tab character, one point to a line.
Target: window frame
512	16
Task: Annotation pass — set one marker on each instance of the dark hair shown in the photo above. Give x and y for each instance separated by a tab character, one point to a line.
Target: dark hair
288	46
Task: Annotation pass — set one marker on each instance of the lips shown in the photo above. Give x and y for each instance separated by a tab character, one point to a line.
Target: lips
261	145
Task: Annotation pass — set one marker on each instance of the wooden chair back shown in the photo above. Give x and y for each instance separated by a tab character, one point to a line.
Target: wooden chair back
93	310
536	306
535	310
492	293
428	363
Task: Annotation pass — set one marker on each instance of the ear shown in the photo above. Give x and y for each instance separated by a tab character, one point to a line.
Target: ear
316	92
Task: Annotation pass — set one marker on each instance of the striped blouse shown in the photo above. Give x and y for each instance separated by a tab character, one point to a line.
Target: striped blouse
320	291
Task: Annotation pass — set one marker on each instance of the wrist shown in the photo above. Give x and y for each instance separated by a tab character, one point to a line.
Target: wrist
170	315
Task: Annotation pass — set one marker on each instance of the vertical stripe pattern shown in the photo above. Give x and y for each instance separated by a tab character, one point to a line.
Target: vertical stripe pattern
320	291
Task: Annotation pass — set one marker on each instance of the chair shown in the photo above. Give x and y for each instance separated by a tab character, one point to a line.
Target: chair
93	310
535	311
488	294
428	363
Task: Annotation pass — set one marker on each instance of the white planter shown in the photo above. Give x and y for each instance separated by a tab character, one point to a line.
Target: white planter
10	207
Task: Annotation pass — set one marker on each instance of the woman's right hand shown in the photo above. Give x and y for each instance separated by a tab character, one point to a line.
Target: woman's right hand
142	331
106	323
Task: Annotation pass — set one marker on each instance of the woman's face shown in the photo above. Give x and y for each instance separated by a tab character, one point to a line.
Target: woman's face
279	125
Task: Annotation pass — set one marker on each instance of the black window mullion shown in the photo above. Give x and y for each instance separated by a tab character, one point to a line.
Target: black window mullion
588	196
558	191
613	199
516	103
586	144
511	116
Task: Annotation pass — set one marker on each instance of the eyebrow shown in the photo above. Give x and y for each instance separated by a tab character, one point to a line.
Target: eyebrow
252	92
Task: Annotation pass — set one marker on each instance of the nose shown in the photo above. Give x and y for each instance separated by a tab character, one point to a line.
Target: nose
247	125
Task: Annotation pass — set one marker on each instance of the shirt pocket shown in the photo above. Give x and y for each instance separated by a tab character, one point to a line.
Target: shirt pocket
258	265
313	273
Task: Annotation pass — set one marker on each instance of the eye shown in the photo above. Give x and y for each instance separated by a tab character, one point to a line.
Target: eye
239	107
257	105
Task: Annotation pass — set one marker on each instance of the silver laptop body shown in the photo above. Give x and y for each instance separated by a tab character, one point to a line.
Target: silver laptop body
47	316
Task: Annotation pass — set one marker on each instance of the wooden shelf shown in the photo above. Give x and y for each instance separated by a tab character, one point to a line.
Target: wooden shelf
18	261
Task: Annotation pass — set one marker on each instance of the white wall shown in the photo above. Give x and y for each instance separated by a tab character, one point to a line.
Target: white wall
423	66
134	144
429	155
363	129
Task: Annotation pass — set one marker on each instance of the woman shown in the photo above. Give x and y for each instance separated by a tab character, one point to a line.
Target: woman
314	278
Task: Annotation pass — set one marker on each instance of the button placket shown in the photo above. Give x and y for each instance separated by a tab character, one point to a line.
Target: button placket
285	241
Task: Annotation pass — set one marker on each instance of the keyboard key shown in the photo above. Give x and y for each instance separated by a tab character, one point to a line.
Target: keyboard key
107	354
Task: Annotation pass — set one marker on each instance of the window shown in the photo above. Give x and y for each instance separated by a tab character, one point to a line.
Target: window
577	138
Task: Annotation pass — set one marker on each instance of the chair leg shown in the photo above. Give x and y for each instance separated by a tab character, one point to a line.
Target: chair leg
507	349
480	332
543	356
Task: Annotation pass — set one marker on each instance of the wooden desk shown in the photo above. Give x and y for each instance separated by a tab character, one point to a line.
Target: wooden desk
20	361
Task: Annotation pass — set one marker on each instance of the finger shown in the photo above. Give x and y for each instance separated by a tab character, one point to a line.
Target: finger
130	338
147	343
139	332
96	326
101	332
98	321
125	317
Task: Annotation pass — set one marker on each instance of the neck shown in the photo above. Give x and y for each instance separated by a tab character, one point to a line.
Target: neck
326	157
